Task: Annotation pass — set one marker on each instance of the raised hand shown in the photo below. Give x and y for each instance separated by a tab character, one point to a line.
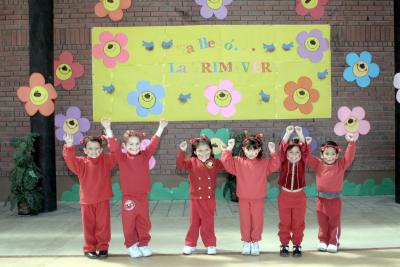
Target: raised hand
231	144
106	123
290	129
183	146
308	140
349	137
163	123
68	139
271	147
298	130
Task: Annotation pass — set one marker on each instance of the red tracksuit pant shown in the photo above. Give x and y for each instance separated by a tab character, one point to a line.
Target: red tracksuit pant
251	219
136	220
201	219
292	210
96	226
328	215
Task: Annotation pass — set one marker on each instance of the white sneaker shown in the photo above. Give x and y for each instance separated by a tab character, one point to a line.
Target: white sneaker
331	248
322	246
211	250
146	251
188	250
134	251
246	248
255	249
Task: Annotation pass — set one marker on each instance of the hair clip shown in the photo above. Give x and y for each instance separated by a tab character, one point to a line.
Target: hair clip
197	139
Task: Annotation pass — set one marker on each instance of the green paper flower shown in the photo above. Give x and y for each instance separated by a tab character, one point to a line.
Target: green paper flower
71	195
159	192
217	139
181	192
117	192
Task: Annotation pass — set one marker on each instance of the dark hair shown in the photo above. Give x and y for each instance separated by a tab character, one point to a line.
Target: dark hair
201	141
330	144
294	142
252	143
88	138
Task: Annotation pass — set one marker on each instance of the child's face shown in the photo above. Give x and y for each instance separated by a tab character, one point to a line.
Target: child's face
251	153
203	152
133	145
93	149
329	156
293	155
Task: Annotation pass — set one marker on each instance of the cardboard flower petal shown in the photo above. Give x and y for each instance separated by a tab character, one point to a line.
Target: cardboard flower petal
217	139
66	70
396	83
352	121
38	96
222	98
71	123
213	7
111	49
111	8
361	69
145	143
147	98
301	95
312	45
315	8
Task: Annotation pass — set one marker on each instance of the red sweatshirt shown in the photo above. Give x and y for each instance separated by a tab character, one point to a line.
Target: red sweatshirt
202	175
329	177
134	169
93	174
292	176
251	174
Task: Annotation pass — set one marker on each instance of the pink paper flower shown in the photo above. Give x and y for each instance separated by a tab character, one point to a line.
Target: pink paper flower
352	121
222	98
66	70
111	48
316	8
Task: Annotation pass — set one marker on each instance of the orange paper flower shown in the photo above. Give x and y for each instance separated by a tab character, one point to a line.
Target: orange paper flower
301	95
111	8
38	96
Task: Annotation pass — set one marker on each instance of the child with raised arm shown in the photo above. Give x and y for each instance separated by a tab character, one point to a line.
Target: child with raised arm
292	200
251	171
203	168
135	186
329	171
94	174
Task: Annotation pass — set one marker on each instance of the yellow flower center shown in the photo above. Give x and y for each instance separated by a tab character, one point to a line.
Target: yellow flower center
64	72
309	4
111	5
112	49
147	99
214	4
216	145
352	124
222	98
38	95
360	69
71	126
312	44
301	96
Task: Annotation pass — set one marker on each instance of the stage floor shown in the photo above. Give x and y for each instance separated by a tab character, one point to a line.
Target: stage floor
370	236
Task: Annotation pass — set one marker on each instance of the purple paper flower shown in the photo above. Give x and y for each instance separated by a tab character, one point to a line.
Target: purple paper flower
312	45
213	7
71	123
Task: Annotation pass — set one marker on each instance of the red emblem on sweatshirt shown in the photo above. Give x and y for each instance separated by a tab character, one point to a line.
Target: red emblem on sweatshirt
129	205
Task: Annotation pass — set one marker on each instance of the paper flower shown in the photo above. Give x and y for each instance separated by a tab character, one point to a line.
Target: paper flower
396	83
147	98
315	8
38	96
71	123
111	49
312	45
111	8
313	145
213	7
301	95
66	70
222	98
217	139
352	121
361	69
145	143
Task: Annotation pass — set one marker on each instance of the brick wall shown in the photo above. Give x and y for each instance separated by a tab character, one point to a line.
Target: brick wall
356	26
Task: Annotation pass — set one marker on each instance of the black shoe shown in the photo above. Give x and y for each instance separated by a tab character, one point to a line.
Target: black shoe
103	254
284	250
91	255
297	251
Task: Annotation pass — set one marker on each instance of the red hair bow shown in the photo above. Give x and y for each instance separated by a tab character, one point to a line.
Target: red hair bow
197	139
258	136
137	134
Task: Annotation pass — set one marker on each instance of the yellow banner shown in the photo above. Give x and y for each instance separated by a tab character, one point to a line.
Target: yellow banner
211	72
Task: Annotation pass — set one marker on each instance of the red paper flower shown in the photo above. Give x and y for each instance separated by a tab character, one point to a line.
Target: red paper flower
316	8
38	96
65	71
301	95
112	8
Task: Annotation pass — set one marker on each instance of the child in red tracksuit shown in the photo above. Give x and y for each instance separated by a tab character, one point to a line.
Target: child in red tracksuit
251	176
329	172
93	172
202	167
135	186
292	200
